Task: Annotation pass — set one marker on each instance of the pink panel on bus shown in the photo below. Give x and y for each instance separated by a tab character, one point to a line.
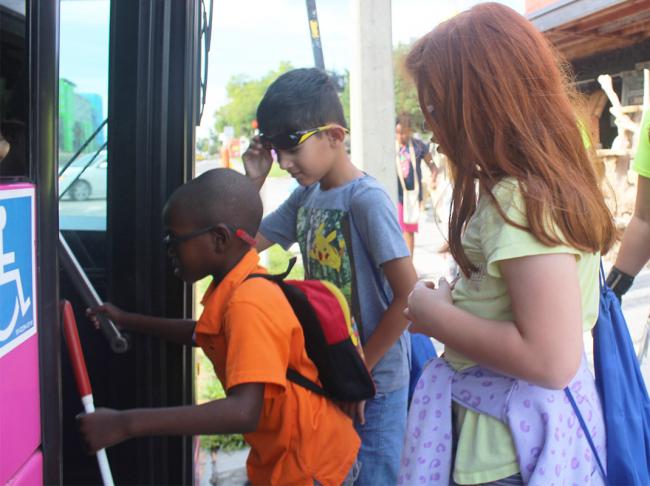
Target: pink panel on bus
31	474
22	185
20	418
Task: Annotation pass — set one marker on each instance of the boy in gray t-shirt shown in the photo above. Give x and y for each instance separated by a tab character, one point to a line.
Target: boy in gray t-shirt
348	234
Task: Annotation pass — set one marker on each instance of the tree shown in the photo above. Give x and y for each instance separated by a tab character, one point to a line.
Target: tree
345	97
406	96
244	94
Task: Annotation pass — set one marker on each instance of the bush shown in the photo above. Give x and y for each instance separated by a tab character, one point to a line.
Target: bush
225	443
214	391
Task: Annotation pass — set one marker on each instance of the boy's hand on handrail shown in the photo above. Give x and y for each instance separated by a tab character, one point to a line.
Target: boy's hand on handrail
257	161
178	331
109	311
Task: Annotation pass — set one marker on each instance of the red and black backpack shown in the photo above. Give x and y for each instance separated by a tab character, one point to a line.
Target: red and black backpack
331	339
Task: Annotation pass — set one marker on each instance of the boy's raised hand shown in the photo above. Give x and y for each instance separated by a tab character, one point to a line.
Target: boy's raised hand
257	161
108	310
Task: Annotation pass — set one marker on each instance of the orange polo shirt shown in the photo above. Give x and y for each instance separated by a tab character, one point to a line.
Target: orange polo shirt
251	335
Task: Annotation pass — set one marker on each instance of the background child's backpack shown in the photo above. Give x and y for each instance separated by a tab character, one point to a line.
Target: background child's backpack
422	351
626	405
331	338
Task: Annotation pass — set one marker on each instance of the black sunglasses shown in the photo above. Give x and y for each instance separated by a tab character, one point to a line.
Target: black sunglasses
287	141
173	241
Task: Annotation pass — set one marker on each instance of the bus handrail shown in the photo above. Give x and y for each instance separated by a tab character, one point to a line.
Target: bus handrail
118	343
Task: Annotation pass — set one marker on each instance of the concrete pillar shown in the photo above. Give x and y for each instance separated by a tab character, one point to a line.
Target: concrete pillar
372	101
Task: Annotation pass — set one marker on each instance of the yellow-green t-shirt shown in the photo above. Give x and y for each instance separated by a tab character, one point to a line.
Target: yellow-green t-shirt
485	451
642	158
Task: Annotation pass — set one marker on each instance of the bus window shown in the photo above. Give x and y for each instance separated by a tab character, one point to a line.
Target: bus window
14	163
83	103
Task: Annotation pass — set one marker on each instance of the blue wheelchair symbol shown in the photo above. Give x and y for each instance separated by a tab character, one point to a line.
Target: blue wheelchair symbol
11	277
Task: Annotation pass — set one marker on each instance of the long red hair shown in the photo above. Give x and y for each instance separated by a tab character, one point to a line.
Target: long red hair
496	97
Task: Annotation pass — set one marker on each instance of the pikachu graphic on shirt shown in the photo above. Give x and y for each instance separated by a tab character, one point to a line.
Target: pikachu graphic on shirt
323	251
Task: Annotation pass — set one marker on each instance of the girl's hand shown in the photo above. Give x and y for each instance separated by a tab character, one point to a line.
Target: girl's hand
424	302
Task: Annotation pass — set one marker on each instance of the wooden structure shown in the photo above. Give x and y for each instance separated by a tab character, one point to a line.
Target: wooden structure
607	43
582	29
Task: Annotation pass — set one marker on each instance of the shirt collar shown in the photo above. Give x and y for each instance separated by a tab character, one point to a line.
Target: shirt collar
217	296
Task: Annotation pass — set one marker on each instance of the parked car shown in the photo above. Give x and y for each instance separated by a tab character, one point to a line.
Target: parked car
79	184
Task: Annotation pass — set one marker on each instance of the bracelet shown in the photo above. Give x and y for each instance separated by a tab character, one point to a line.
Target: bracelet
620	282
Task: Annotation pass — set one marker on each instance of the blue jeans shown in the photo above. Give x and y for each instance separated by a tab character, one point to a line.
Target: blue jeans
382	438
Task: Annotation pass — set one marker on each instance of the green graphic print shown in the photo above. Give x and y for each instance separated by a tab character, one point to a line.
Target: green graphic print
326	253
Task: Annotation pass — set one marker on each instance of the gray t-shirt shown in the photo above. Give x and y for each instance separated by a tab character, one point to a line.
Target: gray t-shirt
345	235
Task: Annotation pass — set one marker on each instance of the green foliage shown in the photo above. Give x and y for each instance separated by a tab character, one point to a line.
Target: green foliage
244	94
277	171
214	391
279	261
345	98
406	96
225	443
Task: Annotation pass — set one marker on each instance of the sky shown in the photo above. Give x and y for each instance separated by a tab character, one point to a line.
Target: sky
249	37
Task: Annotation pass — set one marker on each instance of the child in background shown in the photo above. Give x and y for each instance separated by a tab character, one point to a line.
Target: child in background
410	153
528	243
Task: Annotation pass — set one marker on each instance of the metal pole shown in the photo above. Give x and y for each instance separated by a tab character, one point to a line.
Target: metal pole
314	31
119	344
372	99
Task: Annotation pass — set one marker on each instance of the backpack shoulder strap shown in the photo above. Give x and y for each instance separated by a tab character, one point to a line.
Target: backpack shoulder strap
303	381
275	277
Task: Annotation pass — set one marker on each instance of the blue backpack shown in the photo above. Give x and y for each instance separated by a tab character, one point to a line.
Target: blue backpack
422	351
626	405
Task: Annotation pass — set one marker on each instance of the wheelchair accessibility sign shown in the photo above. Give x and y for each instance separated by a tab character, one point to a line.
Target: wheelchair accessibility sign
17	266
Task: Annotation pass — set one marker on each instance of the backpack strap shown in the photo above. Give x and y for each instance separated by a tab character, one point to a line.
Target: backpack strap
303	381
275	277
583	425
292	374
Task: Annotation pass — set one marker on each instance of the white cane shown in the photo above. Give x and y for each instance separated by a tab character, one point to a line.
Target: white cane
83	382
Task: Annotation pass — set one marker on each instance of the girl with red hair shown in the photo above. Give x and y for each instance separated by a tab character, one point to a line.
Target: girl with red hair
527	226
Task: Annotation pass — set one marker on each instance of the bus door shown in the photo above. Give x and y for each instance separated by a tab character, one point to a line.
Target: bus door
129	87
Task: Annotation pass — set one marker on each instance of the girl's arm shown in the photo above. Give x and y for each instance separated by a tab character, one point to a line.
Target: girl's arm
542	345
238	413
635	248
